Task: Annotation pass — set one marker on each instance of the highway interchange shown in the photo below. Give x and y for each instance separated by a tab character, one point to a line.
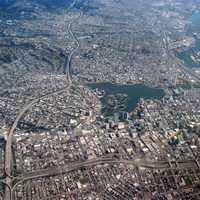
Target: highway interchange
141	163
8	148
8	181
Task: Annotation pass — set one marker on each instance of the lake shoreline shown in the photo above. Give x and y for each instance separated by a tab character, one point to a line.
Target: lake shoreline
134	93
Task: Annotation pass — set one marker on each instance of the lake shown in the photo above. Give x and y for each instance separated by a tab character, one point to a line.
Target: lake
133	93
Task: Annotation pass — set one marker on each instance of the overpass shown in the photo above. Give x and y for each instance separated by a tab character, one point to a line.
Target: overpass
141	163
8	148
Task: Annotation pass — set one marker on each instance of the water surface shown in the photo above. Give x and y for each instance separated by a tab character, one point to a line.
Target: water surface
133	92
188	54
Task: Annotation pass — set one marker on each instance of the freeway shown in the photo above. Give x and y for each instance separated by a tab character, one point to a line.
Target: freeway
141	163
8	148
172	56
68	65
185	68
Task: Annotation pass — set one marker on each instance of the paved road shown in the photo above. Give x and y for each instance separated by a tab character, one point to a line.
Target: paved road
8	149
189	164
68	65
178	61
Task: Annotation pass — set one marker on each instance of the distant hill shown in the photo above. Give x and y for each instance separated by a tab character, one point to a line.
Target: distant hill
5	3
13	9
53	3
46	3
